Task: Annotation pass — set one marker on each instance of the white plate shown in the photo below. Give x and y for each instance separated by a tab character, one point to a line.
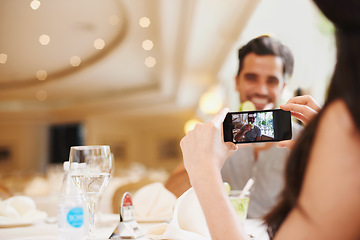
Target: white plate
16	224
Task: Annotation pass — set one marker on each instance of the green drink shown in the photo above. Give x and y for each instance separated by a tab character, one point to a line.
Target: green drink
240	205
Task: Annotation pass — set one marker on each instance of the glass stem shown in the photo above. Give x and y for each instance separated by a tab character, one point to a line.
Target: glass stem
91	208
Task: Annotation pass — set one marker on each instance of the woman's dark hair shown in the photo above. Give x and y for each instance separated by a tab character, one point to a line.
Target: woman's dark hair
345	85
265	45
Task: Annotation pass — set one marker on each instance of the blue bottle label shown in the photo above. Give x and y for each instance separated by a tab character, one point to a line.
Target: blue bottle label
75	217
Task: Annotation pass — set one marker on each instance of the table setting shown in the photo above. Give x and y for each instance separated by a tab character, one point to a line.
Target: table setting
154	211
178	228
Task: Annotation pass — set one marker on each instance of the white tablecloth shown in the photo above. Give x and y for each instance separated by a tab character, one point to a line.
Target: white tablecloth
105	225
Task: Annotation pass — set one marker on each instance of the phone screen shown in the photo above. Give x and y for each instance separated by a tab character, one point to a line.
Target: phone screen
257	126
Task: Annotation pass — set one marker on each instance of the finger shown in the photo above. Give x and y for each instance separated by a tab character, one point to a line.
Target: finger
303	109
231	146
282	144
220	116
301	112
182	142
299	99
301	117
289	144
305	100
191	131
197	125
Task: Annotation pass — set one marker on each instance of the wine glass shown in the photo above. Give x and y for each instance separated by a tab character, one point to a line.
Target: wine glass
90	169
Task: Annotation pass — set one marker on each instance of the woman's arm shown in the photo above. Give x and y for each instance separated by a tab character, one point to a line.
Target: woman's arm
204	153
329	202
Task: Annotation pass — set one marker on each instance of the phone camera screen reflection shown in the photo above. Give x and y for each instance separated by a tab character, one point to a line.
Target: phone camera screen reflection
253	127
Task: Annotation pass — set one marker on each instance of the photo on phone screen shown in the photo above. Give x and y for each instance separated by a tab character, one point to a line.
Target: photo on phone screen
257	126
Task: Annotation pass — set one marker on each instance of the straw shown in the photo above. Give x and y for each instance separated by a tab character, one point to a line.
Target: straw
247	187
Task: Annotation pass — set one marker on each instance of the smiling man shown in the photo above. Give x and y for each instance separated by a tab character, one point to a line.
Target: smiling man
265	65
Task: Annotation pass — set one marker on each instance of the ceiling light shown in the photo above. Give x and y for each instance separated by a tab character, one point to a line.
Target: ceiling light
35	4
144	22
147	45
75	61
99	43
190	124
114	20
3	58
41	75
150	62
44	39
41	95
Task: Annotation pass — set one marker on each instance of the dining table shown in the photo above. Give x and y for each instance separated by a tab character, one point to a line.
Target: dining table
47	229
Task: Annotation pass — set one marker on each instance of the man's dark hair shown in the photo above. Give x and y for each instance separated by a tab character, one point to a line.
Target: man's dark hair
266	45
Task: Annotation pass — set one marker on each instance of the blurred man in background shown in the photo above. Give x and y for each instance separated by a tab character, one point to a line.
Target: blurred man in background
265	65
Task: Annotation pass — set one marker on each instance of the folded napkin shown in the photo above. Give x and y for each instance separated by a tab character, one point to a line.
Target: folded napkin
19	209
188	221
153	202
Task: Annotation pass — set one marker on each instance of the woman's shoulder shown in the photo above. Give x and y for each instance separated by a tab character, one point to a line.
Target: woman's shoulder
335	149
338	117
333	172
334	155
337	132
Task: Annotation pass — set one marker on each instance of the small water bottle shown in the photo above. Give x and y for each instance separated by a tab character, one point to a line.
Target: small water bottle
72	221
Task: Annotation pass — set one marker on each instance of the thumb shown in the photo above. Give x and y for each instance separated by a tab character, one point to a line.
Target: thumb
289	144
232	146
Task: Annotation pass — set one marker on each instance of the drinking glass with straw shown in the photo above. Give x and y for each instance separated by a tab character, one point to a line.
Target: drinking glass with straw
240	200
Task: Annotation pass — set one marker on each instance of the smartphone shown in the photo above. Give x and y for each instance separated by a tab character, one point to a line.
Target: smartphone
257	126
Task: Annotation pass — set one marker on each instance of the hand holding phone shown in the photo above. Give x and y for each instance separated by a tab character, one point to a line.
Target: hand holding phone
257	126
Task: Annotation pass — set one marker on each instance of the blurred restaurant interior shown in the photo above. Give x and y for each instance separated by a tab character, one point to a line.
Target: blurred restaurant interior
132	74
